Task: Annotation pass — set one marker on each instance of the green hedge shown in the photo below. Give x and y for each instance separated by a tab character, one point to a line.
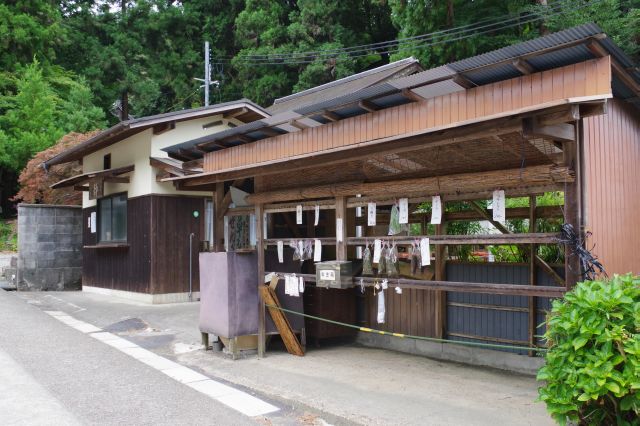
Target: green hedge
592	371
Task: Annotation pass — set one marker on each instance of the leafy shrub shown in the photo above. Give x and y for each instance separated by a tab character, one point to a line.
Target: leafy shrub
592	370
8	236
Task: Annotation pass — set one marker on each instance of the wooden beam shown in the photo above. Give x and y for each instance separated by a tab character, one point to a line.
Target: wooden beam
368	105
533	276
218	232
187	154
596	48
573	271
412	96
472	287
298	124
161	128
331	116
566	115
262	324
236	113
440	275
523	66
534	175
558	132
463	81
80	188
270	131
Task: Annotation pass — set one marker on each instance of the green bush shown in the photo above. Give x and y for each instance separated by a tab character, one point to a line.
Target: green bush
592	370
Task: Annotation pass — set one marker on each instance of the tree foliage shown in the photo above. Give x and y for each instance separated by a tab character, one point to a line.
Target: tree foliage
592	370
35	182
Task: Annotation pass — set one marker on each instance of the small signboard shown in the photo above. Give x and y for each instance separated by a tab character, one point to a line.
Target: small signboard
96	189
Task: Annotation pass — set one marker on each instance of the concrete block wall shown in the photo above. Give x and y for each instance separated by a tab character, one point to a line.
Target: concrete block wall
49	247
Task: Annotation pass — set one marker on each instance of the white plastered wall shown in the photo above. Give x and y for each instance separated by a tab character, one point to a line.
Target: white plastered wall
137	149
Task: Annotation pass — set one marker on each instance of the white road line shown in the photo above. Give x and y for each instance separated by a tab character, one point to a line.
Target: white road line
238	400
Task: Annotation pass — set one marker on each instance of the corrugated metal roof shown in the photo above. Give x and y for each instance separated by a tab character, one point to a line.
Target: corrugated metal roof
551	51
344	85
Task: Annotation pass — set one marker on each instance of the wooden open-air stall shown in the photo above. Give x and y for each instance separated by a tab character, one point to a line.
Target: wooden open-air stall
513	121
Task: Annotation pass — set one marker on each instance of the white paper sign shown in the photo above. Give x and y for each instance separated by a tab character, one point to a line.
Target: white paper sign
339	230
93	222
317	219
371	214
264	226
425	252
498	206
377	250
280	252
436	210
317	251
299	214
403	207
89	222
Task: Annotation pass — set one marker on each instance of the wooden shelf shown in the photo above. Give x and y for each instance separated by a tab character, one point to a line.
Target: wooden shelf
108	246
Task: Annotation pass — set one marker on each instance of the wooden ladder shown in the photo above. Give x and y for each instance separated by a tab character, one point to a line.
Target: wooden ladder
280	320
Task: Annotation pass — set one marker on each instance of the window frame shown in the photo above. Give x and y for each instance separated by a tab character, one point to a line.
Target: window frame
100	218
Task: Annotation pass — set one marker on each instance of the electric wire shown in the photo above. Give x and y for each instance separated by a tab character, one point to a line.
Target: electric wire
425	40
409	336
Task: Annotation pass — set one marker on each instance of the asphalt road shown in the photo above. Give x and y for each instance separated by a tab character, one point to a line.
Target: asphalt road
53	374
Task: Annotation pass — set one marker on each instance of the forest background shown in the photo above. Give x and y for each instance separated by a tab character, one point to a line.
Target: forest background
81	65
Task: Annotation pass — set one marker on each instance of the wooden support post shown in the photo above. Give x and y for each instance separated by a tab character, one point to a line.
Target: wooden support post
341	240
218	231
572	268
440	275
532	274
262	335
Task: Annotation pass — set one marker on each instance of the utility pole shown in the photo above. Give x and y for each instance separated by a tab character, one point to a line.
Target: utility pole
207	74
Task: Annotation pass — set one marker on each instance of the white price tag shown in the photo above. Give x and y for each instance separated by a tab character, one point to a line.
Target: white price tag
371	214
264	226
317	219
403	214
93	222
317	251
498	206
377	250
280	252
436	210
269	277
339	230
299	214
425	252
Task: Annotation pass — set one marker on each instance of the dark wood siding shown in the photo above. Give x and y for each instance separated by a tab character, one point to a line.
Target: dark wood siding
125	268
157	257
611	147
412	312
172	222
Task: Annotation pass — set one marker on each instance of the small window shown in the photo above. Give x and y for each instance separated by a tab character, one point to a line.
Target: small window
112	218
106	162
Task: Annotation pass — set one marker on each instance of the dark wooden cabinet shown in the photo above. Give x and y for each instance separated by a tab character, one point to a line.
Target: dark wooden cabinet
333	304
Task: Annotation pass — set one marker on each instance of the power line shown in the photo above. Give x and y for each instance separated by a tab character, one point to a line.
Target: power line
416	42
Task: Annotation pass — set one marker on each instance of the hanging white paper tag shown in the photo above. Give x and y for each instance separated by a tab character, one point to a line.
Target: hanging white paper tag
436	210
280	252
301	285
381	308
93	222
385	284
339	230
317	219
371	214
264	226
403	207
301	249
377	249
398	290
299	214
269	277
498	206
425	252
317	251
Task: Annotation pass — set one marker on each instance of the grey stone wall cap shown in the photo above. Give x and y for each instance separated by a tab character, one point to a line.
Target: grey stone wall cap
49	206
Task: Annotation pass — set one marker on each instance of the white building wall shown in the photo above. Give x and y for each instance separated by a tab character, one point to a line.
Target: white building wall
137	149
